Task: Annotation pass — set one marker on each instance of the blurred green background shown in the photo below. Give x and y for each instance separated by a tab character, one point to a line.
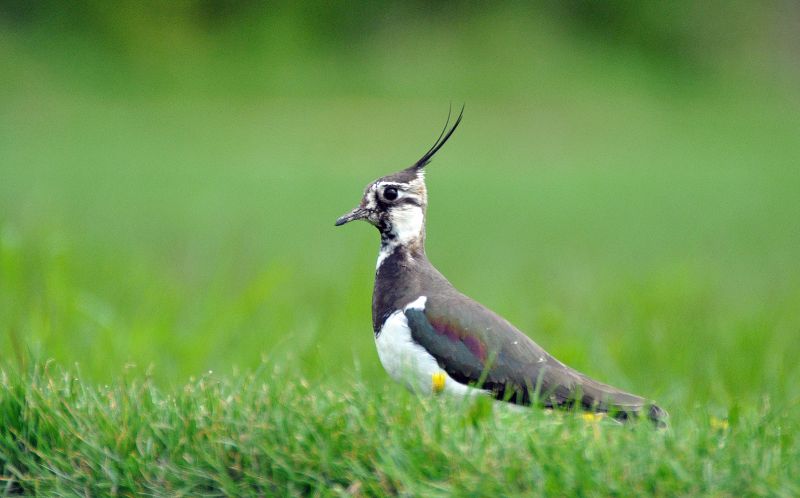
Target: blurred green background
625	186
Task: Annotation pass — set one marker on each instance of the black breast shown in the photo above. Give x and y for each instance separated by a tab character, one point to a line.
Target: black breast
399	280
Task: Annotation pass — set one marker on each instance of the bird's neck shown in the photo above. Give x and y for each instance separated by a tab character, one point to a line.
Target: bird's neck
404	252
397	276
403	235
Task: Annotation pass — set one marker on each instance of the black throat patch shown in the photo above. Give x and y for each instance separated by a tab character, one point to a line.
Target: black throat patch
397	282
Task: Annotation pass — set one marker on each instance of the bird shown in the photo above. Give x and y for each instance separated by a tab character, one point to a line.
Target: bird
432	338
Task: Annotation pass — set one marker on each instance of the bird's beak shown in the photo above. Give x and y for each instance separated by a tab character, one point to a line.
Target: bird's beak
358	213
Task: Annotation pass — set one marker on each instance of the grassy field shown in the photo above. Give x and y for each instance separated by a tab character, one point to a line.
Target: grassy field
250	435
165	217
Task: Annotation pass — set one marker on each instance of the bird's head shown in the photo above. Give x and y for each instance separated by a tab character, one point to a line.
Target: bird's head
395	204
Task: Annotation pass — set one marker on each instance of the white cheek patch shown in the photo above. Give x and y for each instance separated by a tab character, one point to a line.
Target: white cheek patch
407	222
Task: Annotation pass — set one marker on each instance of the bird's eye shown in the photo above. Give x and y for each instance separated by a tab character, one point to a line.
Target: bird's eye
390	194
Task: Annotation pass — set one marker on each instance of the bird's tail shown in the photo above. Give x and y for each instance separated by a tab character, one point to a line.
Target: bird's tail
568	388
596	396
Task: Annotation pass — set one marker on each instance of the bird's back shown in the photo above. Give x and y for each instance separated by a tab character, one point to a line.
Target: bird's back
474	345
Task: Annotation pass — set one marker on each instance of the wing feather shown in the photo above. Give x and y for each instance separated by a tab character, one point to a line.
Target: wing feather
476	346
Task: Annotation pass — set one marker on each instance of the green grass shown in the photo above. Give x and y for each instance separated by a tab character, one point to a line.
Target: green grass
174	210
250	435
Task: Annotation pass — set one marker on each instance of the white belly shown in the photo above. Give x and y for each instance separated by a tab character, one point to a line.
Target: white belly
407	362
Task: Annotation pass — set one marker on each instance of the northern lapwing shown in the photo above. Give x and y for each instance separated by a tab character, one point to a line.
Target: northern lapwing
433	338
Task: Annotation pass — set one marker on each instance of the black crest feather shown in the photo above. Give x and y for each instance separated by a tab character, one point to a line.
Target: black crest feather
443	137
